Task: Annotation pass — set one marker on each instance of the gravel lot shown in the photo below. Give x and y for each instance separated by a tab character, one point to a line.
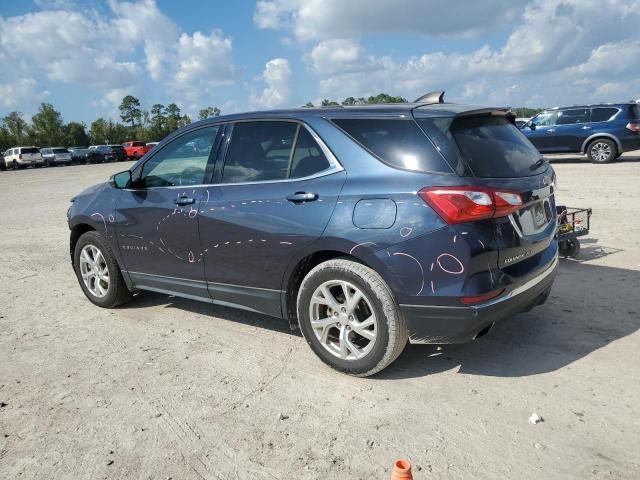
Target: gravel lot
168	388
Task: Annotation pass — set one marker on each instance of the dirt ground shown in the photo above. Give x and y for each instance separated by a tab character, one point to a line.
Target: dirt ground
168	388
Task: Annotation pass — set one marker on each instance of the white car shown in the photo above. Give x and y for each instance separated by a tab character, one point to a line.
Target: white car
22	157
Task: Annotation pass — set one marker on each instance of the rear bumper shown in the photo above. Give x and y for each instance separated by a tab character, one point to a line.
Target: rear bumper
438	324
630	143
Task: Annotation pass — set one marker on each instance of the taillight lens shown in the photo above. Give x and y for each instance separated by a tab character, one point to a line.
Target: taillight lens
634	127
468	204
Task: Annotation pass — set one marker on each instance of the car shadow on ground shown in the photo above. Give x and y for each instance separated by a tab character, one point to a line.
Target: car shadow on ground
590	307
151	299
590	250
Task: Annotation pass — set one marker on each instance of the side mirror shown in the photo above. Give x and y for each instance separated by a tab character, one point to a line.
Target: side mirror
121	179
532	126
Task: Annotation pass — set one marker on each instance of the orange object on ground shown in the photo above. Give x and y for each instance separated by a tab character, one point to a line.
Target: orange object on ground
401	470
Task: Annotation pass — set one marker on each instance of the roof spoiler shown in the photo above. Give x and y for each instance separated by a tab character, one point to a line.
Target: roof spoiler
437	96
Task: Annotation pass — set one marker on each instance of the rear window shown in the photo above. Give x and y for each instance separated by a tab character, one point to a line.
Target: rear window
29	150
60	150
488	146
397	142
635	111
602	114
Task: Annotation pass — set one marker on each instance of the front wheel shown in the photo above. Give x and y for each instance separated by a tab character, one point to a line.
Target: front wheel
602	150
350	318
98	272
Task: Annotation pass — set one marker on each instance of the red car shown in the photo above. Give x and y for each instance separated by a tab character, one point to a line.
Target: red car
135	150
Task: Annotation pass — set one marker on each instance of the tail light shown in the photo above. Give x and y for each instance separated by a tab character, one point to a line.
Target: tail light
634	127
19	156
468	204
481	298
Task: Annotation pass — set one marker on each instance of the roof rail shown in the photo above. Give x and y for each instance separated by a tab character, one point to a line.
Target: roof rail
437	96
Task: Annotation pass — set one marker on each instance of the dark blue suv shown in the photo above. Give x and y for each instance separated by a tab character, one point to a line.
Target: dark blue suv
603	132
365	227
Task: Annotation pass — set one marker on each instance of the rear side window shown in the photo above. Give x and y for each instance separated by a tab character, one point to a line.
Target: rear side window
259	151
60	150
634	110
578	115
602	114
399	143
490	146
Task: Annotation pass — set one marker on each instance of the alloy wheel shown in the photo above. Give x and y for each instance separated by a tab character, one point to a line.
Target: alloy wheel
94	271
601	151
343	319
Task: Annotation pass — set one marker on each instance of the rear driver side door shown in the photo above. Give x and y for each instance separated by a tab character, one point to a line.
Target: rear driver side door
274	194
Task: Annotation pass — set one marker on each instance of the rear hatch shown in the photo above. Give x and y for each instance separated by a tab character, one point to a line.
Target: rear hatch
30	154
486	149
62	154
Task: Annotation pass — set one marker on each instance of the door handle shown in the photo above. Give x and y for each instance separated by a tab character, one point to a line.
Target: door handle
302	197
551	130
586	127
183	201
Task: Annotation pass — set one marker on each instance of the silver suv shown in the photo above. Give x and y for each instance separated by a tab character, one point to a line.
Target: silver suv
56	156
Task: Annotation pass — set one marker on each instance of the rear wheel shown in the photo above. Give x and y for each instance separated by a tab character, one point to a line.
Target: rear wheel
136	156
349	317
98	273
602	150
569	248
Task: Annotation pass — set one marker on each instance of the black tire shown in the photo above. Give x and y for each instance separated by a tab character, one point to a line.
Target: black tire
15	165
391	329
602	150
117	292
46	163
3	165
136	157
569	248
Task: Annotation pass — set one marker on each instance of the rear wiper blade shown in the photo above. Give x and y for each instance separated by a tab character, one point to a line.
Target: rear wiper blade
538	163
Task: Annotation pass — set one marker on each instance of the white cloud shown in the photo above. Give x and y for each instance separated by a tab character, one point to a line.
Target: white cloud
277	76
323	19
554	55
14	92
100	51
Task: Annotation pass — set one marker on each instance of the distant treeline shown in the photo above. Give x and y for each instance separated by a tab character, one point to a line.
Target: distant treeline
47	127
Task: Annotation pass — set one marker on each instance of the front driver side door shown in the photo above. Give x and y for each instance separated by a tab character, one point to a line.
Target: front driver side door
157	219
543	135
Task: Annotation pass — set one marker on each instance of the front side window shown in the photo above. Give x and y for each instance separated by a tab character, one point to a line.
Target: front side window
545	119
181	162
259	151
571	117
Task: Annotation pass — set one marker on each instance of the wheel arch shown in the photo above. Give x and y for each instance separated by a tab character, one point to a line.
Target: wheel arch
597	136
76	232
303	266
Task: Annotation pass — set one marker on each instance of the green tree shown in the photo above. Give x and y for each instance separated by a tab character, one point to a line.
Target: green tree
172	114
349	101
524	112
184	120
17	128
75	134
385	98
208	112
157	122
329	103
130	111
99	131
47	126
308	105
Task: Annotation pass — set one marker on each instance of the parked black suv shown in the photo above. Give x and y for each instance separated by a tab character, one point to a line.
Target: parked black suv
603	132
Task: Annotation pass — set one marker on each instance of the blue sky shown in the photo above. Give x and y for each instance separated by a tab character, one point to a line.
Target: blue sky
83	56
